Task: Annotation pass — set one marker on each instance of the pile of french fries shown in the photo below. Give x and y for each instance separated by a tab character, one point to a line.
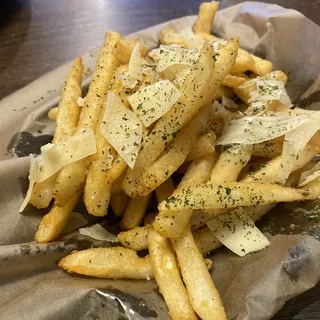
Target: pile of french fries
215	180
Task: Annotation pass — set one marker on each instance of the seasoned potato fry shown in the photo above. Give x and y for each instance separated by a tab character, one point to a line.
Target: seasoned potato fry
164	33
204	146
232	195
243	91
135	211
232	81
198	219
149	218
135	239
53	113
111	263
165	190
208	75
53	223
204	296
89	118
207	11
205	240
176	152
167	276
119	202
172	224
124	48
66	122
230	163
268	149
261	66
243	62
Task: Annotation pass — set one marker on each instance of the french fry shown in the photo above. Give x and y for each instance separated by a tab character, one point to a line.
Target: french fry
134	212
230	163
97	191
207	11
110	263
135	239
243	91
52	114
204	296
204	146
261	66
119	202
176	152
231	195
124	48
205	240
167	276
268	149
208	76
233	81
53	223
164	33
244	62
165	190
172	224
66	122
89	118
198	219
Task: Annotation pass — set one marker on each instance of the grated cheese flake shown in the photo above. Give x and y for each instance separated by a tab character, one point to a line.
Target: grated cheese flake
152	102
122	129
238	232
97	232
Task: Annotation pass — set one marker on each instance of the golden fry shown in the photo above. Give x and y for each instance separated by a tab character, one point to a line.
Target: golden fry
164	33
53	223
167	276
261	66
135	239
204	146
204	296
232	81
207	11
119	202
165	190
53	113
110	263
135	211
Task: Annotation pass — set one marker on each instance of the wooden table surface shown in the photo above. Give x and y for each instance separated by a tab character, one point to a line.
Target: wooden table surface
36	36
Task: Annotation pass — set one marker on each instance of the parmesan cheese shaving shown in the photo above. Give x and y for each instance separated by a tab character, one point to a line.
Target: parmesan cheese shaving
310	175
238	232
187	37
122	129
228	103
175	56
32	181
294	143
55	157
256	129
136	64
97	232
152	102
181	77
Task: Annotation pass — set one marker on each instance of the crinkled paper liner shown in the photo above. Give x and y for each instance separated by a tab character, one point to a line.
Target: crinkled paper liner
253	287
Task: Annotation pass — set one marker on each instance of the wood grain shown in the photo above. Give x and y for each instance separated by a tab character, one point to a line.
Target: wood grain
36	36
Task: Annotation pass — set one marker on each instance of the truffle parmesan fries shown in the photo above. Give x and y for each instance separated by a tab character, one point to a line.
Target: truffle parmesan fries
198	107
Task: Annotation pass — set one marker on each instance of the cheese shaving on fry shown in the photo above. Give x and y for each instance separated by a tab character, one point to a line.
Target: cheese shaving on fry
294	143
136	64
80	102
152	102
309	175
238	232
32	181
55	157
122	129
97	232
186	37
256	129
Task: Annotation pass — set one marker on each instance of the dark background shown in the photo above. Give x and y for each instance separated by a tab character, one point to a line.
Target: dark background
36	36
